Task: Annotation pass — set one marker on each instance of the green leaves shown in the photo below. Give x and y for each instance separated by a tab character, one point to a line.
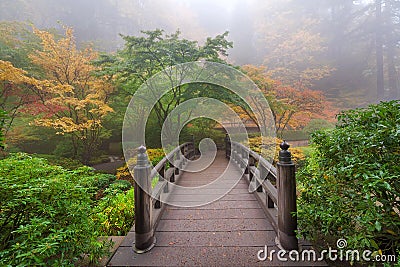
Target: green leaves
115	213
45	213
144	56
353	177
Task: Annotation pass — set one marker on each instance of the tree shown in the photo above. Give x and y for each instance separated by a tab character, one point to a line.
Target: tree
291	107
155	51
17	41
16	92
3	117
373	26
75	100
392	39
349	50
17	87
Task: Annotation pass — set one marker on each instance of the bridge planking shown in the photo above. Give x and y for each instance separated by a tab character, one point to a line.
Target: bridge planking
226	232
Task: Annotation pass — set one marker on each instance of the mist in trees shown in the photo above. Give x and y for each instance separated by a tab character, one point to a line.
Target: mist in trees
348	49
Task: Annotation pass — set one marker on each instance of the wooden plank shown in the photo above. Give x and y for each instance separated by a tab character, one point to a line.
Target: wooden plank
209	239
232	197
240	185
214	225
200	256
222	204
199	214
207	191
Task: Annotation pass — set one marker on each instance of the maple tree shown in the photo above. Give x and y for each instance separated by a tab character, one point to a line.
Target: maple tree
75	100
16	92
3	117
17	86
291	107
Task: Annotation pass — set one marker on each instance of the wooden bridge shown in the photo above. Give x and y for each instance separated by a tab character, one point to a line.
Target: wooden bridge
212	218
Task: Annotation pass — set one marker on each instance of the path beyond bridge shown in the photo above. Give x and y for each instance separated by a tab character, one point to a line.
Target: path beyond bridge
227	232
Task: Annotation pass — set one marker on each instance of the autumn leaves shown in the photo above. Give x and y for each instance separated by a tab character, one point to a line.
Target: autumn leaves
68	95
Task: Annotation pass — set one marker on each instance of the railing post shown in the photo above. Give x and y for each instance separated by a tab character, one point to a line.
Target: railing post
144	234
287	219
194	147
227	146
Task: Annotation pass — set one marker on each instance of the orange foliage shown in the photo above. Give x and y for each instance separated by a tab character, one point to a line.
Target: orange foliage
292	107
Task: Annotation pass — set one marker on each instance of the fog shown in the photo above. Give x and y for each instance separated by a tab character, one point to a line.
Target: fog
298	36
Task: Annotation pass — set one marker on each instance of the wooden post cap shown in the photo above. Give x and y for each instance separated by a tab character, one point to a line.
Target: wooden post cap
285	156
142	157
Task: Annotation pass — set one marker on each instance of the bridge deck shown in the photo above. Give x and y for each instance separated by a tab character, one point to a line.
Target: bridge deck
227	232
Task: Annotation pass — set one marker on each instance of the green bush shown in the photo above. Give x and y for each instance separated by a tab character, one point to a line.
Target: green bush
45	214
118	186
95	184
351	183
67	163
115	214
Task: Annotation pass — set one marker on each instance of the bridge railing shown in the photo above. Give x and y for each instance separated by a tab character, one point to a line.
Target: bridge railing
148	200
274	187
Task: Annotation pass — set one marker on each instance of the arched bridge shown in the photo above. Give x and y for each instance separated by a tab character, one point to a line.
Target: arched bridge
243	227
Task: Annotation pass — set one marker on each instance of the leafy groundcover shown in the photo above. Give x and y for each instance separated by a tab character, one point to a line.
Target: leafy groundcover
46	213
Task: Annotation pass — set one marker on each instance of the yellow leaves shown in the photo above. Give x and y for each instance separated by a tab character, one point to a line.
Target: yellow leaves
55	88
258	76
267	146
67	125
61	59
80	97
12	74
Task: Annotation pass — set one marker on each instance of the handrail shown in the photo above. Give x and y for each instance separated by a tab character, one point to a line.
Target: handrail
275	188
168	174
148	201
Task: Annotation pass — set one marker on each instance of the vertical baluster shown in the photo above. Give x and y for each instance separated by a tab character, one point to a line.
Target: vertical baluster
252	162
171	163
161	173
166	185
227	146
177	158
239	155
270	203
263	175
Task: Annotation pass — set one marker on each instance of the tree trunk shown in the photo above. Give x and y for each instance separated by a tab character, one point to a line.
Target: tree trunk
379	51
390	44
